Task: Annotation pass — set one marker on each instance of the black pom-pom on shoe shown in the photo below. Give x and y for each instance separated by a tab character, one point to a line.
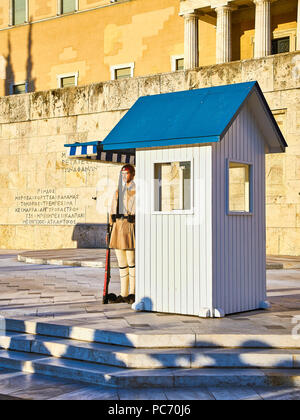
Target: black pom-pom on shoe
111	298
130	299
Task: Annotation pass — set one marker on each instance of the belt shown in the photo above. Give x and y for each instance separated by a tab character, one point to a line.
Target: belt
130	217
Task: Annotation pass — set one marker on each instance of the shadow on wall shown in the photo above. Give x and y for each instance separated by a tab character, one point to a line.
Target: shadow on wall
9	71
29	65
10	79
90	235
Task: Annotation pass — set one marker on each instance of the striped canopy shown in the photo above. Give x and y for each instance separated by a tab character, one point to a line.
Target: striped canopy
94	151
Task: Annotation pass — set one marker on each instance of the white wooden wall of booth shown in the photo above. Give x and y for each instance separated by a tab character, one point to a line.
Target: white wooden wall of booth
239	243
174	251
208	262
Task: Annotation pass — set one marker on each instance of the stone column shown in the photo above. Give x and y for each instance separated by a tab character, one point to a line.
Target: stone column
191	47
223	51
262	28
298	27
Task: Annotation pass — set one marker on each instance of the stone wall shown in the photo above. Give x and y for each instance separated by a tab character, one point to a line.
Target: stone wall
46	199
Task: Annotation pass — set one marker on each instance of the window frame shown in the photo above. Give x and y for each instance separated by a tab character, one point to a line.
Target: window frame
60	8
174	59
191	211
251	179
287	33
13	84
120	67
12	15
64	76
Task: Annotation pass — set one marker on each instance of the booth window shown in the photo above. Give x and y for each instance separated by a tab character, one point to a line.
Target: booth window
172	187
239	187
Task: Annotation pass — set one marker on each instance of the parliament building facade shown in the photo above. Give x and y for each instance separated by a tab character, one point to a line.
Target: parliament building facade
69	71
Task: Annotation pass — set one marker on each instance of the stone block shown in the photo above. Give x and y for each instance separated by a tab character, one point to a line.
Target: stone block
289	241
120	94
272	241
19	108
108	120
9	163
76	100
4	109
75	179
66	125
37	145
6	197
281	215
7	236
54	237
226	74
4	180
55	143
293	124
5	217
18	146
96	98
17	180
26	163
9	131
297	167
88	123
47	127
275	169
298	217
39	105
36	179
204	76
290	163
286	71
274	100
260	70
24	237
54	179
95	175
23	129
149	85
47	162
293	191
4	145
58	104
290	97
172	82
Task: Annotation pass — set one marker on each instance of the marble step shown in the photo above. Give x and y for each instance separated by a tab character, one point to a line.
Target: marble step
125	357
142	339
142	378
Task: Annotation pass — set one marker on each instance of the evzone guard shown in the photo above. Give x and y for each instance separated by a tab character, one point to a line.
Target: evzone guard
122	238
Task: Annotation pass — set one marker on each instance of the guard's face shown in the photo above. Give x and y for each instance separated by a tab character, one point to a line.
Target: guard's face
127	176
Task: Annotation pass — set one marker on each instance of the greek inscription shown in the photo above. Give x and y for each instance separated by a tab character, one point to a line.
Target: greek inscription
47	207
75	165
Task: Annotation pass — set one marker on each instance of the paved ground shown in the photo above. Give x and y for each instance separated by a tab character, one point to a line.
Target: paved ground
96	258
73	296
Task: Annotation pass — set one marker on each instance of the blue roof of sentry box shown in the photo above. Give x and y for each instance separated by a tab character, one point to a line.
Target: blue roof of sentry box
180	118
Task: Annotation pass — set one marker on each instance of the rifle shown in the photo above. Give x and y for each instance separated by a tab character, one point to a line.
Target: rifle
107	264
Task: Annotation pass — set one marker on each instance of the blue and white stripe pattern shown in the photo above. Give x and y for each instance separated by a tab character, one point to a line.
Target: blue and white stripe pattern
93	151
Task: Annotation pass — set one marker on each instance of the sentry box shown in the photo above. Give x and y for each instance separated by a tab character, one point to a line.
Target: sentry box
200	222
